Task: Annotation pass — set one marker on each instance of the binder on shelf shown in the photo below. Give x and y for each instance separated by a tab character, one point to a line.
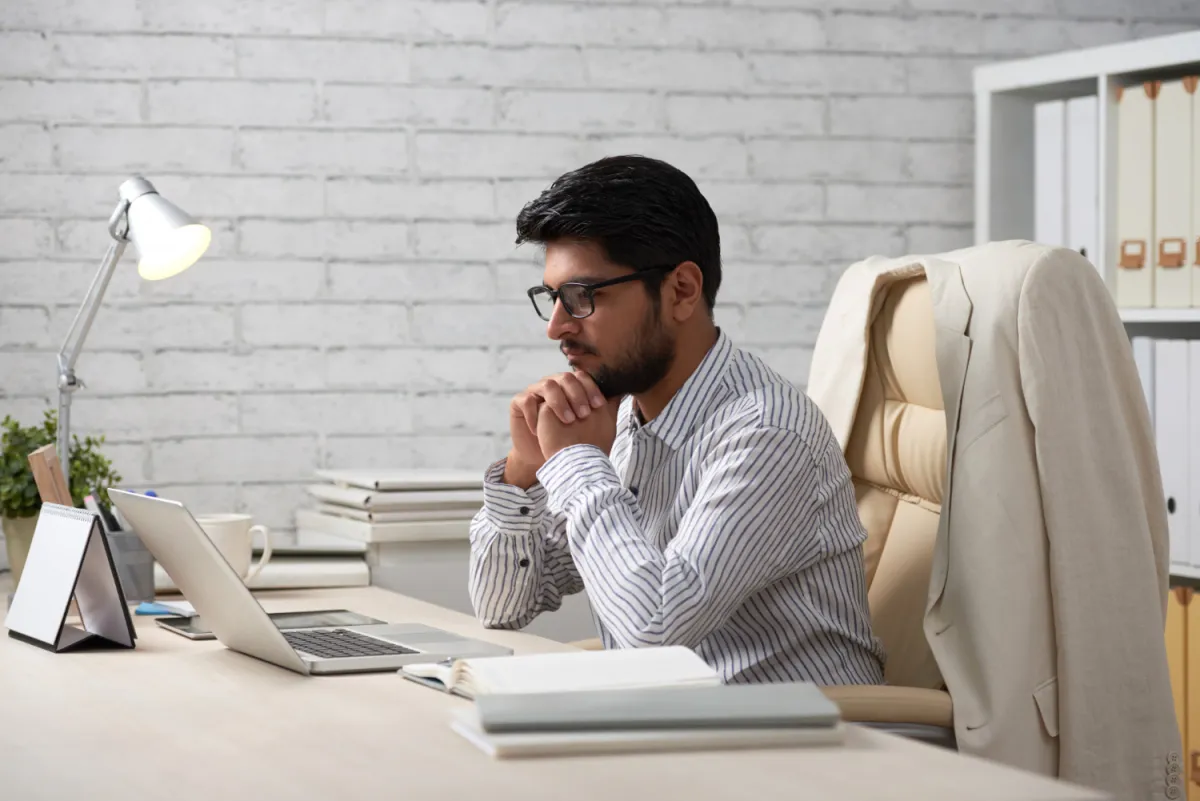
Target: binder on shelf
1172	195
1191	735
1135	195
1191	84
1082	180
1171	385
1193	448
1143	357
1049	170
1178	601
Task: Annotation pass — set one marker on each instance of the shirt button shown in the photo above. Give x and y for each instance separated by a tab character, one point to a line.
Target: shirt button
524	510
1172	792
524	562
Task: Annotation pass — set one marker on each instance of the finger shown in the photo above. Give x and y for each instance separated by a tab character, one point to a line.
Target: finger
529	404
557	400
576	393
516	407
589	386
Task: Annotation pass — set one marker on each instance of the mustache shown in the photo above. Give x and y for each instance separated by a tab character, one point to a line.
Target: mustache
571	344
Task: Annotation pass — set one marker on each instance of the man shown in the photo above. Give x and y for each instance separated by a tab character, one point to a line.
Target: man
700	498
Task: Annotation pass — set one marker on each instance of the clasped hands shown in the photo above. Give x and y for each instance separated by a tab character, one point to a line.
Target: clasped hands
559	411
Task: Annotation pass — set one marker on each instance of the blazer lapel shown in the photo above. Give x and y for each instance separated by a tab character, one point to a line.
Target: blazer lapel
952	314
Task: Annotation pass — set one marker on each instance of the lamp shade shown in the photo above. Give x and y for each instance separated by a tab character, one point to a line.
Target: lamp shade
167	239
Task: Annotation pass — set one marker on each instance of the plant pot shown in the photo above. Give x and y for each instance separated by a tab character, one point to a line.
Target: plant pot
18	534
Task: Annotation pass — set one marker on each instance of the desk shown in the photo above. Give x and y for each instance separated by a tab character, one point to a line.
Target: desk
121	726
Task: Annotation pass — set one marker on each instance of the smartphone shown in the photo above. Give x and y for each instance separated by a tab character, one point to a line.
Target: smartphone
194	629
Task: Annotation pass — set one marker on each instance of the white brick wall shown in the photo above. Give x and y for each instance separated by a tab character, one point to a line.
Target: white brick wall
361	162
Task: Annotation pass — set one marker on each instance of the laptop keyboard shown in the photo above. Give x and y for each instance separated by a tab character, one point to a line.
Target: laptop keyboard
340	643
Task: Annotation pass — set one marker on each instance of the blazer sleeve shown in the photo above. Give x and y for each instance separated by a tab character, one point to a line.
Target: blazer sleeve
1105	518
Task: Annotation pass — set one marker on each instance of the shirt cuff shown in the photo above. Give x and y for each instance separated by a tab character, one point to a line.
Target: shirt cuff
510	509
567	473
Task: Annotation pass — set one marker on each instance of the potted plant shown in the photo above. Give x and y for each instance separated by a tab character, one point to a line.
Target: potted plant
91	474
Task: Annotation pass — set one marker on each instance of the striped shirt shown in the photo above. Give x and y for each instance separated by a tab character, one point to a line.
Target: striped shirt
726	524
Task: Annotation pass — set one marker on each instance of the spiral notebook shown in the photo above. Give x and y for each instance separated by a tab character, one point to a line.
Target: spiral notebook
69	558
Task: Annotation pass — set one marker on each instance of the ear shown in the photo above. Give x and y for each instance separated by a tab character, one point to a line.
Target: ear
686	285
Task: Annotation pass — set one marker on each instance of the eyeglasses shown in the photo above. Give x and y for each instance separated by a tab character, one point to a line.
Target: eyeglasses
579	298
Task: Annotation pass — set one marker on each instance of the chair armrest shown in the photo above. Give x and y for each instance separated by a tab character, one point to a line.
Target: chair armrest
880	703
592	644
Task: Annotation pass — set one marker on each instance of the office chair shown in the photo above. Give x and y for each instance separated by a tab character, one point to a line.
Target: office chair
899	493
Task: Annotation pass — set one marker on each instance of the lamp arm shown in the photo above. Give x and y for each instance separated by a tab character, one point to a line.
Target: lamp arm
118	228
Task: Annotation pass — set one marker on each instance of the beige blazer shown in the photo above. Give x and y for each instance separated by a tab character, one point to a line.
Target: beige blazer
1047	600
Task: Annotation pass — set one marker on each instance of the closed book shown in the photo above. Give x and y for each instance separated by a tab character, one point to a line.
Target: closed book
404	479
523	745
740	706
398	500
368	516
295	572
363	531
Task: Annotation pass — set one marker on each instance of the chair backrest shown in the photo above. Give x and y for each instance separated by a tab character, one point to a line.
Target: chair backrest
897	457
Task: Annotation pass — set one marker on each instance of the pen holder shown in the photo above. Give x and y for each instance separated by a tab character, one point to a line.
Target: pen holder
135	566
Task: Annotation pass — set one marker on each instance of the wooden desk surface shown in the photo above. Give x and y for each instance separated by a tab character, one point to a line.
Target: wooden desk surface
176	720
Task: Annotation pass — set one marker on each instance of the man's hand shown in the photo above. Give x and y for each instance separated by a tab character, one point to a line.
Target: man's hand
598	428
571	397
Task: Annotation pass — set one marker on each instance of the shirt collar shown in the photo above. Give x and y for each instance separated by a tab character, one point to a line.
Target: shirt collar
691	403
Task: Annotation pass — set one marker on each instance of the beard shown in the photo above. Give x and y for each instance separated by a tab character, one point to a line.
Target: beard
643	365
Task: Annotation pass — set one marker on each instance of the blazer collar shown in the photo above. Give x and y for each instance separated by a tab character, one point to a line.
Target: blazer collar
951	304
951	316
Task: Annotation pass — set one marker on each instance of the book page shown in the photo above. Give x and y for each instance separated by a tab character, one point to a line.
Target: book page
589	670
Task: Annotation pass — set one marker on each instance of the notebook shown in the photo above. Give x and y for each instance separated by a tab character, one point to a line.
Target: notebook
516	745
574	671
733	706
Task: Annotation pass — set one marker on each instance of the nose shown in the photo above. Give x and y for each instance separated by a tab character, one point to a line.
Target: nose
561	323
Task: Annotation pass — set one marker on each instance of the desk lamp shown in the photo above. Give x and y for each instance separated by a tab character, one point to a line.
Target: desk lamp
168	241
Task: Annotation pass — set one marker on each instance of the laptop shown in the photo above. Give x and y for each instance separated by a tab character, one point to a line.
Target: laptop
235	617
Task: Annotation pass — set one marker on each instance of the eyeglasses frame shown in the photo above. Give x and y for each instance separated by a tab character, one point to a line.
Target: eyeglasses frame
589	290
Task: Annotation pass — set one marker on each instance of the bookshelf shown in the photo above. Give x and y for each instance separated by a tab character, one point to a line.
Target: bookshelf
1008	122
1150	316
1005	98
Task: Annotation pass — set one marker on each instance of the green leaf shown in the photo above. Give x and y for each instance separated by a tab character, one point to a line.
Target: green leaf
90	471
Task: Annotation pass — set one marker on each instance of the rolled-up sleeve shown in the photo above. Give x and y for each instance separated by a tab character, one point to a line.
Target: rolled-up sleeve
520	563
749	525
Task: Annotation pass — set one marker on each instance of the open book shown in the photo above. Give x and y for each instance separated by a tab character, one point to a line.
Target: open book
620	669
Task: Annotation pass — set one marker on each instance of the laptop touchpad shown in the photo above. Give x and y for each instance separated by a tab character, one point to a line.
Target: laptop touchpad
413	634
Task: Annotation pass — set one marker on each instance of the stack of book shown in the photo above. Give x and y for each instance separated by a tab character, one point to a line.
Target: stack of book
374	506
627	700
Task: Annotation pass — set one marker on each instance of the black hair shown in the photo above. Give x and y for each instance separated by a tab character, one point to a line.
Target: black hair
641	211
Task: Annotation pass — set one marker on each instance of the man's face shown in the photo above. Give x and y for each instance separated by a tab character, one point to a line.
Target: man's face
624	344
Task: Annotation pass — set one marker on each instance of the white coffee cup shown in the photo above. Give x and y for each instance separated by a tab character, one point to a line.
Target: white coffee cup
233	534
